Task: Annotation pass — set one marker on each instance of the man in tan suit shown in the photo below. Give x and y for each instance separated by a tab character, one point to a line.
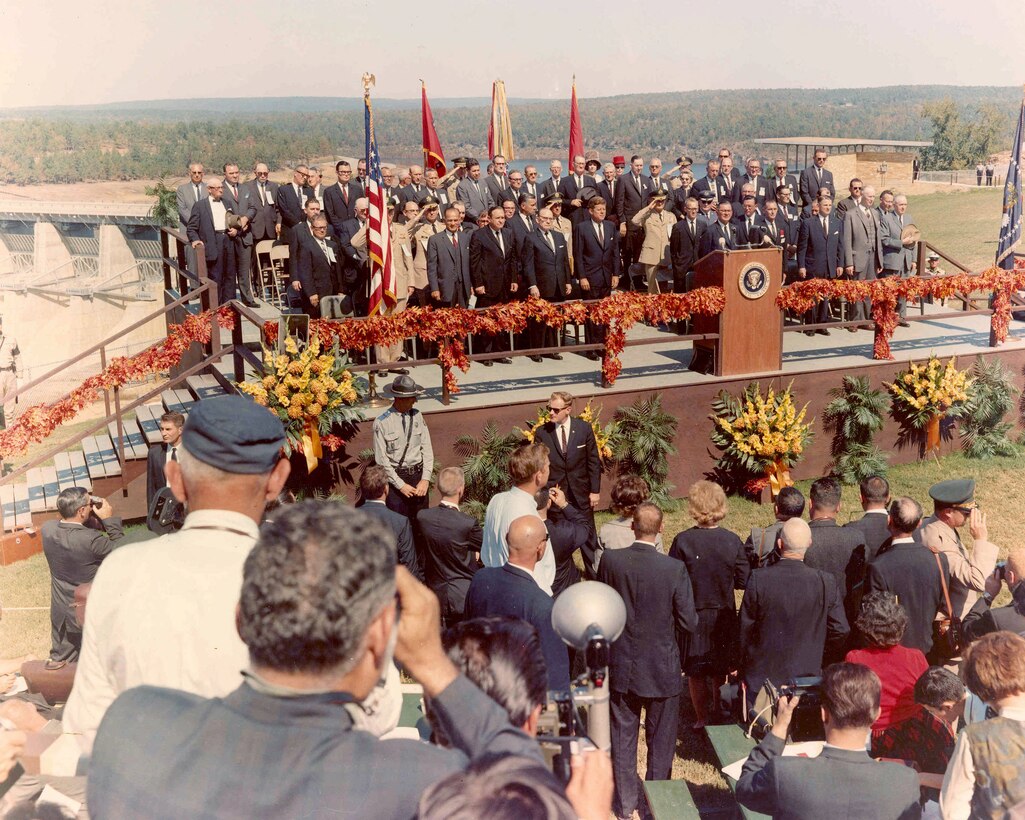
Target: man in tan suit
428	225
657	223
954	507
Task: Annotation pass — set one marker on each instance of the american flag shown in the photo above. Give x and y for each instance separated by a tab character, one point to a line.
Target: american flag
382	276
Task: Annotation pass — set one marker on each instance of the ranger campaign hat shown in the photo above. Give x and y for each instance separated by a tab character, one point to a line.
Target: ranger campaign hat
234	434
953	491
403	387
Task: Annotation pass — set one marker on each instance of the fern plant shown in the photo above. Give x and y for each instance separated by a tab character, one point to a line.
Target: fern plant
165	209
485	466
855	416
983	429
646	434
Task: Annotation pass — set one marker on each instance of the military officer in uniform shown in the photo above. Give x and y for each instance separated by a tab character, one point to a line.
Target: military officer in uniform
402	445
953	508
657	223
10	364
561	223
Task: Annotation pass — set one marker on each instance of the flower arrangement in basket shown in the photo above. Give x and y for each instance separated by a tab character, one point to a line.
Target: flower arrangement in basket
311	392
762	437
925	394
606	437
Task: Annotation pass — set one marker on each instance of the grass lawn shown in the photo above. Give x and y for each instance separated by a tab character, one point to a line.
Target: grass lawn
963	223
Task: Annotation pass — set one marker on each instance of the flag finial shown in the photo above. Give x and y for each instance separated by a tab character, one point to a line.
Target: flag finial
369	80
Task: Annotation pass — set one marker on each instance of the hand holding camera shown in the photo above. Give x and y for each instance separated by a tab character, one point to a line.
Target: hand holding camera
101	507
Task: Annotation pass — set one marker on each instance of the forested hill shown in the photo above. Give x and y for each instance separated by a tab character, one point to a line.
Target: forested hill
151	138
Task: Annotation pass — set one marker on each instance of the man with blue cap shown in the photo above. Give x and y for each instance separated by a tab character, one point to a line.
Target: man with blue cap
163	612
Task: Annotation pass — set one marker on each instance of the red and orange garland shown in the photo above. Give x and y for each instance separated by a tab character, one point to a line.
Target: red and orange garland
884	293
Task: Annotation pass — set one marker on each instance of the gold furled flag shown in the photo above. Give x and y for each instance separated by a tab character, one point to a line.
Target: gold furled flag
500	129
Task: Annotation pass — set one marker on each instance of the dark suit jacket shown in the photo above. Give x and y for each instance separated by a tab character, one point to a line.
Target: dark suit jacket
290	209
839	551
570	190
498	193
74	553
568	531
659	615
706	184
875	530
510	590
629	200
579	471
448	273
745	236
156	458
266	217
710	241
981	620
449	542
251	754
790	614
547	269
821	255
598	264
910	572
335	206
684	250
789	180
399	525
410	194
763	189
490	267
839	784
318	275
243	206
810	187
549	187
201	227
610	200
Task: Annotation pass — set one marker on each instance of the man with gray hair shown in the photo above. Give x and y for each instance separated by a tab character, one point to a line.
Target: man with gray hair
163	612
790	616
318	616
74	551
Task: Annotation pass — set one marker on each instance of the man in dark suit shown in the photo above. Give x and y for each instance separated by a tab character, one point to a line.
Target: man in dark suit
498	181
779	178
523	221
761	188
596	262
571	186
551	185
263	195
239	241
207	224
546	275
820	256
569	532
791	615
910	571
574	464
815	177
355	268
685	245
340	199
74	552
632	194
840	551
781	234
318	613
159	454
373	489
292	200
874	524
416	191
644	668
494	269
473	192
608	189
449	543
722	235
709	182
843	782
318	266
434	189
981	619
748	224
512	590
448	263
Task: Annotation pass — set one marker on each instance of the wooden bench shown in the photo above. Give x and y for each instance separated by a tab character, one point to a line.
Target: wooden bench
36	493
205	387
22	510
71	470
177	401
51	488
730	745
670	800
135	444
148	418
7	505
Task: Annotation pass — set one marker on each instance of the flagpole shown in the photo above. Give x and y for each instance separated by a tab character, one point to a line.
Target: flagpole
423	116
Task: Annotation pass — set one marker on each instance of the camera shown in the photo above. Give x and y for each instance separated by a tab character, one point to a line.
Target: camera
561	733
1001	570
806	722
96	501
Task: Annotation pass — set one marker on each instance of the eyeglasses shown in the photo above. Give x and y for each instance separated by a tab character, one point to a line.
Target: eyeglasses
855	187
781	167
968	510
551	409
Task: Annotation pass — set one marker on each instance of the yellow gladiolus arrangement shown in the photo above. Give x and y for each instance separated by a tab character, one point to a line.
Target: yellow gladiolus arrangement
926	391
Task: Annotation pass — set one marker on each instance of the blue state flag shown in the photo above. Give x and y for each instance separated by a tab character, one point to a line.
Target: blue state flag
1010	224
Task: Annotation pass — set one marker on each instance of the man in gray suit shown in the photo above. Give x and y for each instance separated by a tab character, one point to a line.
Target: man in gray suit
448	262
898	258
474	193
843	782
263	194
189	193
862	249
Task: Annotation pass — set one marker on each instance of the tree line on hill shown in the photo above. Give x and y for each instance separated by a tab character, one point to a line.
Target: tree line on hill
137	141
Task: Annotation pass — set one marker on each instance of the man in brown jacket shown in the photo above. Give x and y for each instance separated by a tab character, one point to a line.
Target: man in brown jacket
657	223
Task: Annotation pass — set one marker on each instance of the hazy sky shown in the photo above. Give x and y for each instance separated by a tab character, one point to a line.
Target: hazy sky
94	51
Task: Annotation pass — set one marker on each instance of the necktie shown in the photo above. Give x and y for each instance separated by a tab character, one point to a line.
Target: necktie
818	176
638	181
198	197
825	230
434	227
174	454
455	242
691	223
498	239
750	223
612	190
548	239
234	192
562	436
345	194
901	220
601	234
263	194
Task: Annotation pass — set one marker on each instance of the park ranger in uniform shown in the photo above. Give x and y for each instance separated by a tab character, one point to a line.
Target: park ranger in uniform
402	445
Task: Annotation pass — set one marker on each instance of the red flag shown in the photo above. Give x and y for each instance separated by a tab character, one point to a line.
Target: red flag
433	156
576	131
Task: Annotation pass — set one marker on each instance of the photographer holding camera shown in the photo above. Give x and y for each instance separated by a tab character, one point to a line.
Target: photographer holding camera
981	620
843	781
75	547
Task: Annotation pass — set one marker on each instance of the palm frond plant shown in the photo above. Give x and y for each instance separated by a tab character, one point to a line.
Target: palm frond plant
984	433
645	442
855	415
485	465
165	209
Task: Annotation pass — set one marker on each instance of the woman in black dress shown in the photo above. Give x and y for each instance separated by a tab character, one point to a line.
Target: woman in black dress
717	565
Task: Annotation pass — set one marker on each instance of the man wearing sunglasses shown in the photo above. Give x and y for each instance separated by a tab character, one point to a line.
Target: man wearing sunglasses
954	506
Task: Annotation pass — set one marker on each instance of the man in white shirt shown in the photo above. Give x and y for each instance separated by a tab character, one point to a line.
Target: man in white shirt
528	467
163	613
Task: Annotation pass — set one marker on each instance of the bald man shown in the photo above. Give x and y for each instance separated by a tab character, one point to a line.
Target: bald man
512	590
790	615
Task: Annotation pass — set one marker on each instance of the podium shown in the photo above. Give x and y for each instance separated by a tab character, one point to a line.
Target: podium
750	326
